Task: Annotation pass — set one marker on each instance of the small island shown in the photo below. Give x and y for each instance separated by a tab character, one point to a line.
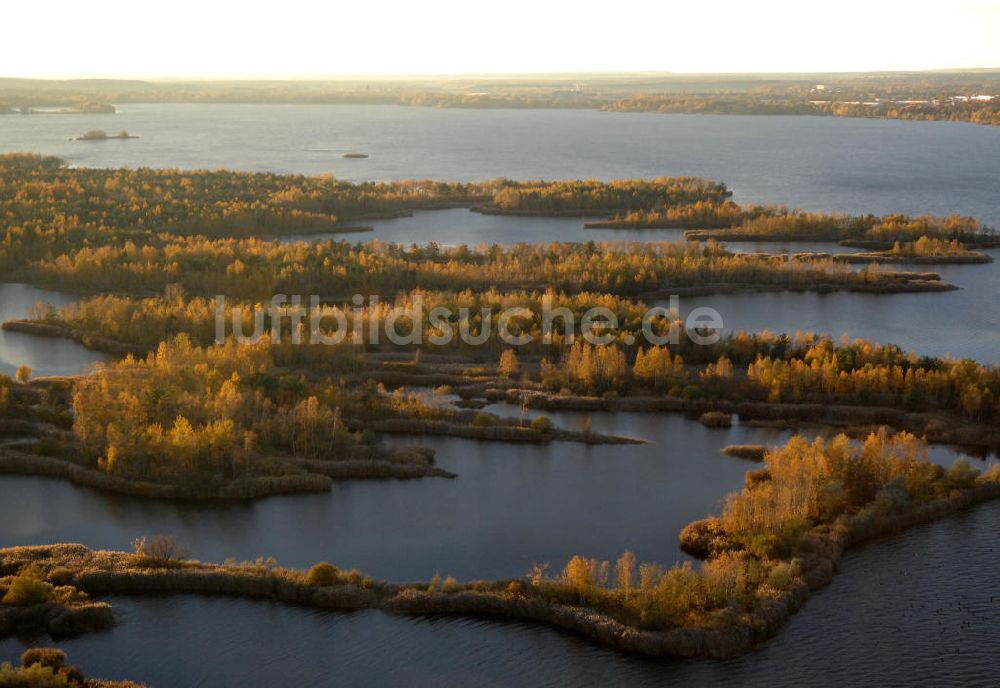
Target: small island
354	155
101	135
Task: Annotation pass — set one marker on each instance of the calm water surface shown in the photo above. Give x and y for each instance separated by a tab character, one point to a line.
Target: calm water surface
818	163
848	165
455	226
916	609
44	355
963	323
511	506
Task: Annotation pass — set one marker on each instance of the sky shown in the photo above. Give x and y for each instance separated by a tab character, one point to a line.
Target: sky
316	38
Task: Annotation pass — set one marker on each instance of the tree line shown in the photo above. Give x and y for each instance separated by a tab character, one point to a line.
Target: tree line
254	268
802	368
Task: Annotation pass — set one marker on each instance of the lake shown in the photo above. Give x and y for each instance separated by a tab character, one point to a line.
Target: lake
816	163
454	226
963	323
512	505
914	609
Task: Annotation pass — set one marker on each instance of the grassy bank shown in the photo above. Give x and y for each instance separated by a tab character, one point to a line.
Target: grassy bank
886	283
500	432
57	329
300	475
21	463
48	667
940	427
974	258
35	600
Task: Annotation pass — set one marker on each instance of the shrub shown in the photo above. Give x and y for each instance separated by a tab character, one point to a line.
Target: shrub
891	498
992	473
322	575
755	477
508	366
357	578
41	667
435	583
961	475
28	588
691	392
515	588
51	657
159	550
781	575
484	420
450	585
35	676
541	424
23	374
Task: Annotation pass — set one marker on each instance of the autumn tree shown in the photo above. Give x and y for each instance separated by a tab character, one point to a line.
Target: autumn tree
509	366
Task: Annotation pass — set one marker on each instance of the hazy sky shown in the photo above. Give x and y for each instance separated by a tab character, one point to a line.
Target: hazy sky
316	38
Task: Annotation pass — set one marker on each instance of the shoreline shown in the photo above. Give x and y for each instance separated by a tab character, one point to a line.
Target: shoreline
490	209
737	235
496	433
909	283
316	476
116	573
59	330
607	104
311	231
975	258
938	427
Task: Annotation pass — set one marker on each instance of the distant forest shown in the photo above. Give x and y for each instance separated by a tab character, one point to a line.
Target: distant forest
972	96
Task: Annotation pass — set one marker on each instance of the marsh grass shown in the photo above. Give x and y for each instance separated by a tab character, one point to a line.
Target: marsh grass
28	588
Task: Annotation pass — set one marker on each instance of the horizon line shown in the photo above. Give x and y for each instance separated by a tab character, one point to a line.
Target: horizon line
379	76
